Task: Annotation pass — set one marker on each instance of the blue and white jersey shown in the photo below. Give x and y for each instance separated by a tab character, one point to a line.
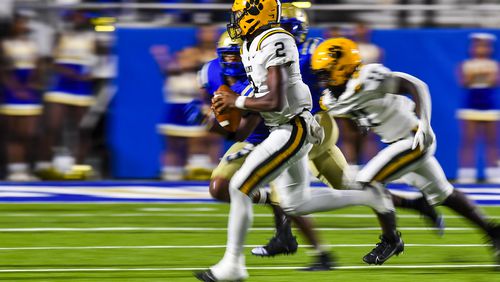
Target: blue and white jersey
306	50
210	78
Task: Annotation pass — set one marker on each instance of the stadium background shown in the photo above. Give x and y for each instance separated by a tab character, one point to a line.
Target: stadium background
430	54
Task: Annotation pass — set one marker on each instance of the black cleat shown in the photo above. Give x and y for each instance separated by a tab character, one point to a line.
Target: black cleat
429	212
323	262
278	245
206	276
384	250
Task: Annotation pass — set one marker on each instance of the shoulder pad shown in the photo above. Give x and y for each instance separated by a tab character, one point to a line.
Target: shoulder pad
273	35
371	77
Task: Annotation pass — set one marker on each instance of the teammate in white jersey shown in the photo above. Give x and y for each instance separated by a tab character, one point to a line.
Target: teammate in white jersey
271	61
375	98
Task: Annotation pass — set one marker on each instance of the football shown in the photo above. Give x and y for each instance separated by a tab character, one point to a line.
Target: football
229	119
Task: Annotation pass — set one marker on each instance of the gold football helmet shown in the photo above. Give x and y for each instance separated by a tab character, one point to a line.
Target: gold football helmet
335	60
295	21
249	15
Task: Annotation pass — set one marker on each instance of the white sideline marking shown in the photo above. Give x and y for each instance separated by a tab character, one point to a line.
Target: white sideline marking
176	209
101	229
204	215
223	246
436	266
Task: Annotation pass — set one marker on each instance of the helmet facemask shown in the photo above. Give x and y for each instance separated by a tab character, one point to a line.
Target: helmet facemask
233	28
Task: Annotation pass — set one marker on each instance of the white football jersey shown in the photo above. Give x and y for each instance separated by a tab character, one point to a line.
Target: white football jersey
368	100
275	47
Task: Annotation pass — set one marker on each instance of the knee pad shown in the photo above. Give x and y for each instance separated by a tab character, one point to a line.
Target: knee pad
436	192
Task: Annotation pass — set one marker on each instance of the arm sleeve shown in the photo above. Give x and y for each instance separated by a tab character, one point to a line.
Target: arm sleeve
424	97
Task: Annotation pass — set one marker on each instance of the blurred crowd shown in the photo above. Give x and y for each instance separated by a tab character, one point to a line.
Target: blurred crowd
52	97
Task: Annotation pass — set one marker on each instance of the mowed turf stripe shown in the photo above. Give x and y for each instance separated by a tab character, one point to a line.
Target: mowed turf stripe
354	267
203	229
224	246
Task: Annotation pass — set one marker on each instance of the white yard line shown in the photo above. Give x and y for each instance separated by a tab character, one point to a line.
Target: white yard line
105	229
113	269
17	214
224	246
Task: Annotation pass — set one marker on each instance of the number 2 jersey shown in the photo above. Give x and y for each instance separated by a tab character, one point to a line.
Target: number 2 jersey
211	78
276	47
367	99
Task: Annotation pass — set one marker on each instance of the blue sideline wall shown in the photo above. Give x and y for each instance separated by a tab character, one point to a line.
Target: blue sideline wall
432	55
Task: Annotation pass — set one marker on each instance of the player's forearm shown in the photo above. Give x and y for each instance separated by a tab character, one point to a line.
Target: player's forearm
272	101
420	93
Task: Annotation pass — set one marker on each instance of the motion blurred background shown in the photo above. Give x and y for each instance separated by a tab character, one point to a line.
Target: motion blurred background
88	87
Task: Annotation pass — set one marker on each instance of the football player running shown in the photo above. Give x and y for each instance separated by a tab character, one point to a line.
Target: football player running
374	97
326	161
270	57
229	70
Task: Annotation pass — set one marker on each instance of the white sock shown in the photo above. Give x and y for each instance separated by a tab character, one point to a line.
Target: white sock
240	220
326	199
492	174
466	175
17	167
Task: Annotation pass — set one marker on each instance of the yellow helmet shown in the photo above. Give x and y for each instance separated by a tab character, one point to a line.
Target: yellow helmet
249	15
335	60
295	20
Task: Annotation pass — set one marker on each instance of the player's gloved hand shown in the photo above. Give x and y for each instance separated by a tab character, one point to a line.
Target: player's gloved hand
241	153
424	136
195	112
327	100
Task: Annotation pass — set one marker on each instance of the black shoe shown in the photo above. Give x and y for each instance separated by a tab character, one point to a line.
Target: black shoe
384	250
206	276
323	262
278	245
429	212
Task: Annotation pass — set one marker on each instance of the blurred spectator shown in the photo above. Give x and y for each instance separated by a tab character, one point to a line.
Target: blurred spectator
21	107
70	96
196	160
333	32
479	115
360	146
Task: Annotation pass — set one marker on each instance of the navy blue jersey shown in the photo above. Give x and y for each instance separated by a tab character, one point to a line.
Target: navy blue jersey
306	50
211	78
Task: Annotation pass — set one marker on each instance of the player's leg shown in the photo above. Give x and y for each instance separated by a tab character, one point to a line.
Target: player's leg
283	147
231	162
393	162
431	180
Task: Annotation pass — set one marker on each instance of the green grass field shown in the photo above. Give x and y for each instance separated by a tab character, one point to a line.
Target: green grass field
166	242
